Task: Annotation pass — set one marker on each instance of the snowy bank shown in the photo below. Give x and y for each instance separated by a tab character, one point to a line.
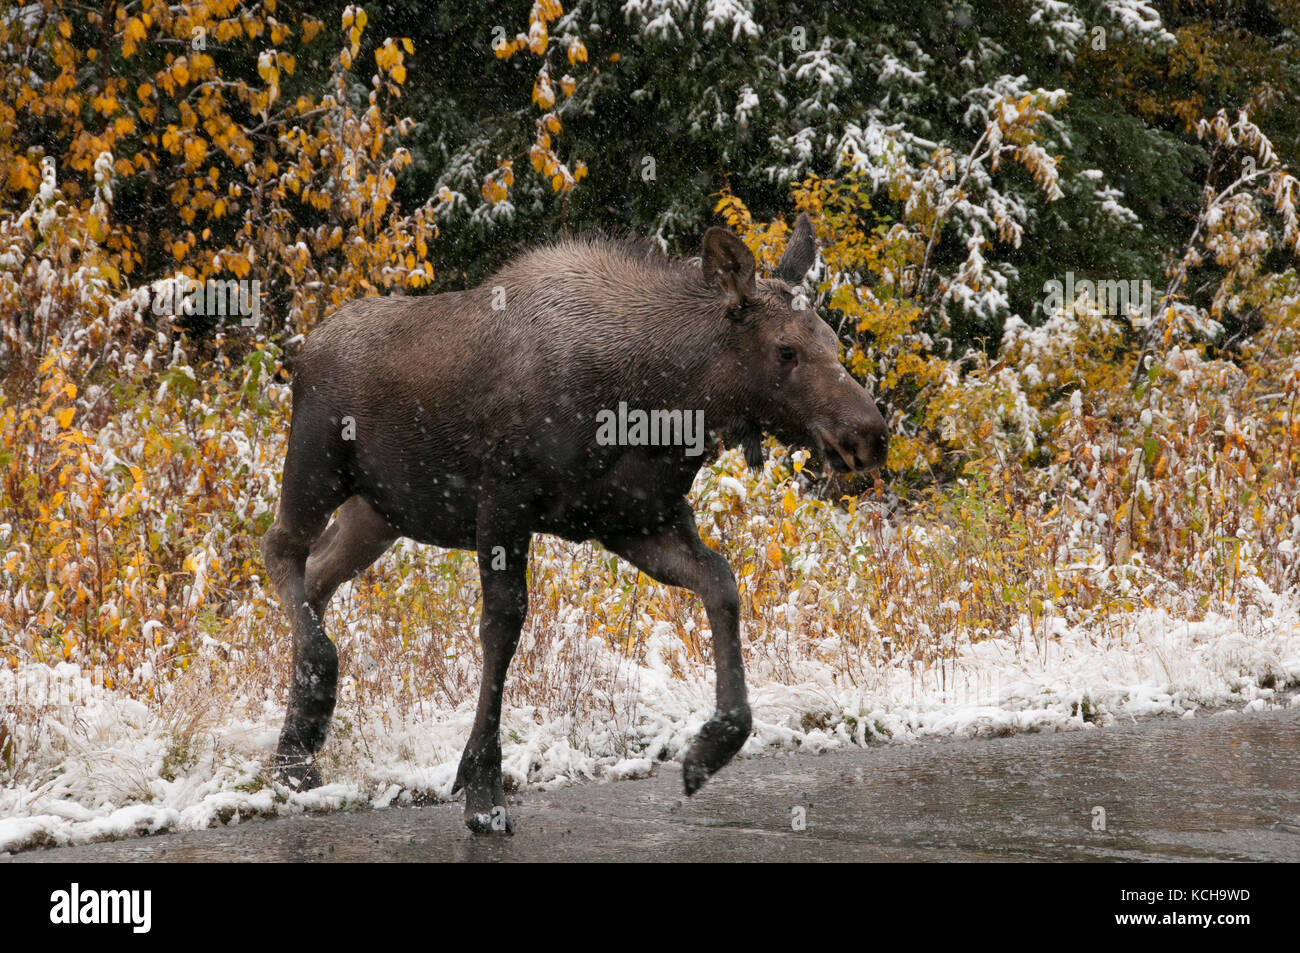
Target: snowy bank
92	765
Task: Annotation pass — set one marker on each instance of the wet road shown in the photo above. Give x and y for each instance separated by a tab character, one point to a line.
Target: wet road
1213	788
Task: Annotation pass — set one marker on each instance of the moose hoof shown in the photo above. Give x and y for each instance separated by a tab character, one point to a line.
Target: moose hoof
720	738
299	773
496	821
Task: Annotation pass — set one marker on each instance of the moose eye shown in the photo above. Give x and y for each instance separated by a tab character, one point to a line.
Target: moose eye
787	354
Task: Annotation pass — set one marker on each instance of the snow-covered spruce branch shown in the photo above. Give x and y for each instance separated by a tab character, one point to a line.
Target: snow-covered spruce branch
1259	162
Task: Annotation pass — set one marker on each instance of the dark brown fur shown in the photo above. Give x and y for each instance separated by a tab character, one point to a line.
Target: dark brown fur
473	428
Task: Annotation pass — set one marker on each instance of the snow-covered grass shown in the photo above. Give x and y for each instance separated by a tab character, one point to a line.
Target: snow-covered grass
99	766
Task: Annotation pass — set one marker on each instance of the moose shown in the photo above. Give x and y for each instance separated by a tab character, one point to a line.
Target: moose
468	420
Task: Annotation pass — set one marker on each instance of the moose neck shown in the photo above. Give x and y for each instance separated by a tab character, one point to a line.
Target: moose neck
702	346
650	331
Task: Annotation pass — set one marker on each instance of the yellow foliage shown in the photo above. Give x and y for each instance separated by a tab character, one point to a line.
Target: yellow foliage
543	93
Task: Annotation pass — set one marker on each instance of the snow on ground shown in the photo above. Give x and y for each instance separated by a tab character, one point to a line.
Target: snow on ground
106	767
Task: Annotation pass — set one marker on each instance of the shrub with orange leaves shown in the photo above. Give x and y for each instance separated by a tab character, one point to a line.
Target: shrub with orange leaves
228	161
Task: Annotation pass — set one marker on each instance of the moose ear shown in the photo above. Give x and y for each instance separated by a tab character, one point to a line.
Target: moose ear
728	262
799	252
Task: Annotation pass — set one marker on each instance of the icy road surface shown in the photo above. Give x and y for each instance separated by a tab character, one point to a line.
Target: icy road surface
1221	787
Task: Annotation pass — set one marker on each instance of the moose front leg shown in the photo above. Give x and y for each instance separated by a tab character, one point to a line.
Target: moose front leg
676	555
502	564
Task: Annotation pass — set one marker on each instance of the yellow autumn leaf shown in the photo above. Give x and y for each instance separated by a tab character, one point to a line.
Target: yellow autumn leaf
266	67
538	40
774	555
543	94
98	233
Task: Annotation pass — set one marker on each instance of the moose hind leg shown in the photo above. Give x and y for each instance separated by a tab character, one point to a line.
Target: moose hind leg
358	536
305	505
675	555
502	568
